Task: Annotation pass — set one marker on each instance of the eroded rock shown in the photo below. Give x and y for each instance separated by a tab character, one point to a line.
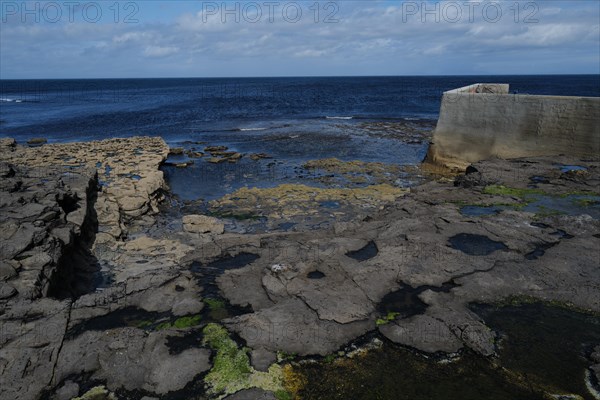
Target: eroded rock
202	224
424	333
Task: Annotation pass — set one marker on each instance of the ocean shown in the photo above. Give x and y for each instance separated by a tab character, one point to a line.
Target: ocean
67	110
291	119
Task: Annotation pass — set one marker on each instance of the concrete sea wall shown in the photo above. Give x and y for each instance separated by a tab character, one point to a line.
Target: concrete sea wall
482	121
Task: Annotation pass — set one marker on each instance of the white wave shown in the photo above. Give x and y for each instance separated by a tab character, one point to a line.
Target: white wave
339	117
7	100
253	129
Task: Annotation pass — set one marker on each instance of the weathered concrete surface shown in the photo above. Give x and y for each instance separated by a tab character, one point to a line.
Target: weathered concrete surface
480	124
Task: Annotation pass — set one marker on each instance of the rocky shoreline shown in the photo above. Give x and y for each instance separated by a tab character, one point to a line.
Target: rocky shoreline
95	296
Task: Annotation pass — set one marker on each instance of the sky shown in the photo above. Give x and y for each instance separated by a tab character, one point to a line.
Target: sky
143	39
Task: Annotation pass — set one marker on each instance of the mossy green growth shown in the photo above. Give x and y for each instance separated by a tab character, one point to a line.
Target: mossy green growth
186	322
500	190
585	202
231	371
143	324
387	319
329	358
283	356
214	304
231	364
180	323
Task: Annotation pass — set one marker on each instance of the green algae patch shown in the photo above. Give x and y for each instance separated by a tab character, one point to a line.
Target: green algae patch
329	358
97	393
231	371
585	202
500	190
214	304
387	318
544	204
180	323
283	395
186	322
283	356
217	309
144	324
235	216
231	364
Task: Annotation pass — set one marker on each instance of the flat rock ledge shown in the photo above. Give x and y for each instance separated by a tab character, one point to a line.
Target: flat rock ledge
127	170
408	270
202	224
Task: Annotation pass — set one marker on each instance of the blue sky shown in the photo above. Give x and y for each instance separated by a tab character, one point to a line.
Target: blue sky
270	38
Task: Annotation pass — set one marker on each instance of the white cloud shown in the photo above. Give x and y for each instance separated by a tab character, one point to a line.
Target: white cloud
311	53
133	37
157	51
368	33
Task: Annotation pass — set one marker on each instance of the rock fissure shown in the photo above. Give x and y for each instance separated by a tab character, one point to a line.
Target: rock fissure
51	382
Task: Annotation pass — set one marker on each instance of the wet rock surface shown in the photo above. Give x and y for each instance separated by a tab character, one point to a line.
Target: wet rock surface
305	206
133	318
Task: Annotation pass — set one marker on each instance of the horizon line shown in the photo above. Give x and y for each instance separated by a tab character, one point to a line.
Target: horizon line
299	76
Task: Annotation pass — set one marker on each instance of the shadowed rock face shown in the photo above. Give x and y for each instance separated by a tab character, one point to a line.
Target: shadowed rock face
48	225
308	292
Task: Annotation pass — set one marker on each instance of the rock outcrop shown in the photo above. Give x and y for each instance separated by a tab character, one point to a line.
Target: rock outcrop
127	171
47	226
202	224
408	269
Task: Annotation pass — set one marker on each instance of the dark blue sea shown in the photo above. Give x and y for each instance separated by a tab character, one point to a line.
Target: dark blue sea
290	119
67	110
